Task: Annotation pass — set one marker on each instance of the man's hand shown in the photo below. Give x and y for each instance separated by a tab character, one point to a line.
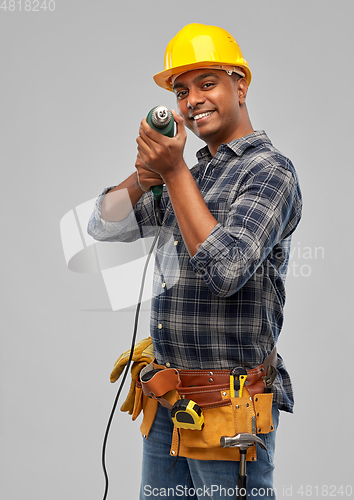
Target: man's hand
160	154
163	156
146	177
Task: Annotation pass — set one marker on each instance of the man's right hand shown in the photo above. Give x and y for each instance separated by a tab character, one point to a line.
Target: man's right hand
119	201
146	177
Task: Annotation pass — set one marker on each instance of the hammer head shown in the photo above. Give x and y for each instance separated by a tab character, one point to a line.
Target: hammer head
242	441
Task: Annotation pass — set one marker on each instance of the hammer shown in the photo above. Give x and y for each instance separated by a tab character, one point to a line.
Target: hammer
243	442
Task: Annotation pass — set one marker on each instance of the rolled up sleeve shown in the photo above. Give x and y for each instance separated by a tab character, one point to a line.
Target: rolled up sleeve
103	230
266	209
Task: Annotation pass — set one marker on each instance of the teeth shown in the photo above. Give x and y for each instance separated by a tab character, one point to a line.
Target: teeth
197	117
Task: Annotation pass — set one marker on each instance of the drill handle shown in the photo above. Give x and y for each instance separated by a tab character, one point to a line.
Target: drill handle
160	119
157	192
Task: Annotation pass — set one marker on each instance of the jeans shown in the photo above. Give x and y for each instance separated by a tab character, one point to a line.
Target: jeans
191	479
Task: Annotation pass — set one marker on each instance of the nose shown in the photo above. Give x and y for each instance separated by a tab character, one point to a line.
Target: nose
195	97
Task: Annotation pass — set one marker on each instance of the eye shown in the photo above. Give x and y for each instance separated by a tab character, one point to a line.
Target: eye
208	85
181	94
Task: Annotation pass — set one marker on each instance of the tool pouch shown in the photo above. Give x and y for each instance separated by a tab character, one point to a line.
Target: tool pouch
158	382
138	400
148	406
223	416
156	385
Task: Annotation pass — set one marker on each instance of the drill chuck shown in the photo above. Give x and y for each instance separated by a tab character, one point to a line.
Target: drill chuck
161	119
161	116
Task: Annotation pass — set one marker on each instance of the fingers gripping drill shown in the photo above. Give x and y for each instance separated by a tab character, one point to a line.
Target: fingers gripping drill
160	119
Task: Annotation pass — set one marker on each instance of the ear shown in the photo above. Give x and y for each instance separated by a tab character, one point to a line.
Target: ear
242	89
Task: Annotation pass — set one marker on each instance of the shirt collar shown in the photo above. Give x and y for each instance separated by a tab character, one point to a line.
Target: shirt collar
238	146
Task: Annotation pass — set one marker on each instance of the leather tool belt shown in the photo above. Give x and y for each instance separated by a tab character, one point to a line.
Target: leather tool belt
206	387
202	386
224	414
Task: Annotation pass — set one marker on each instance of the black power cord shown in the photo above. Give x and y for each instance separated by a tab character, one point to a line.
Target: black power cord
126	370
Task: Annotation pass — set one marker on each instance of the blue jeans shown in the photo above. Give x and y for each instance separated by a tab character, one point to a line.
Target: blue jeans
192	479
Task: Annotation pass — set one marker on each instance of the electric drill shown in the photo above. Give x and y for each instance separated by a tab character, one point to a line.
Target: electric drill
160	119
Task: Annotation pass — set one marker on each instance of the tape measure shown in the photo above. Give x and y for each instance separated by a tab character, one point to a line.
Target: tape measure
186	414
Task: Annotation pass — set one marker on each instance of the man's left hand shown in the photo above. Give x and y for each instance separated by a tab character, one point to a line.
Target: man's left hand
159	153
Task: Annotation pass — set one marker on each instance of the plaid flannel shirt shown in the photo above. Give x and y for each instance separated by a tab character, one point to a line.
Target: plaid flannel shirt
224	306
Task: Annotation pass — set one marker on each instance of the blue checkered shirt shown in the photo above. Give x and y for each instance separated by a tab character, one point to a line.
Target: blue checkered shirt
224	306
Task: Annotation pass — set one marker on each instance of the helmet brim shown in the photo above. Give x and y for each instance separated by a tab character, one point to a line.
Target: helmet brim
162	79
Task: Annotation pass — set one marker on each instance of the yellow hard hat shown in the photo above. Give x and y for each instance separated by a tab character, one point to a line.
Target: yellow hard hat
200	46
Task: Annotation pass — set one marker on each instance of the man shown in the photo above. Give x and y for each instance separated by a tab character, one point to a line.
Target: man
229	220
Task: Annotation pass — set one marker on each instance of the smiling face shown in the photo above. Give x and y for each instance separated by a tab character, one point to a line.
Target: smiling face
212	104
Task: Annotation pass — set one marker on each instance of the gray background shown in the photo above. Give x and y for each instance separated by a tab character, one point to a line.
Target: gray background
75	84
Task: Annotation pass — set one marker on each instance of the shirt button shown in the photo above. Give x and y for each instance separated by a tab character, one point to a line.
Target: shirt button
163	285
159	326
168	364
176	243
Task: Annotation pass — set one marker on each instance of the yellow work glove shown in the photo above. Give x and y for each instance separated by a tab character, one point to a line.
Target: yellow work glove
142	356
